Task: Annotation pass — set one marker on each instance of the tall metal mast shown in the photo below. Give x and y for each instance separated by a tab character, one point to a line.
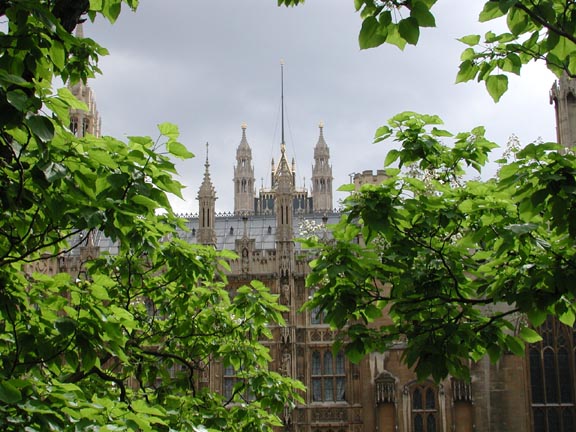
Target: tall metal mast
282	95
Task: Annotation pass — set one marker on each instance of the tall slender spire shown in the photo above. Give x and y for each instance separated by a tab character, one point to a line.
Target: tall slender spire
207	206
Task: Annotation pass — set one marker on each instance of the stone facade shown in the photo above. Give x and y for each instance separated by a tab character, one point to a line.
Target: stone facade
563	97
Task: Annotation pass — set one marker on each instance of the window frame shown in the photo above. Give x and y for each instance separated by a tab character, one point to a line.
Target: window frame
428	406
547	383
328	376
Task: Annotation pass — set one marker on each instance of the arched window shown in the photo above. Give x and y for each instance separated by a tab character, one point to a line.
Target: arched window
328	376
317	315
230	379
552	378
74	125
424	404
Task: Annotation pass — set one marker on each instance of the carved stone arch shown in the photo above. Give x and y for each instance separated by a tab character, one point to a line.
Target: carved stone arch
385	388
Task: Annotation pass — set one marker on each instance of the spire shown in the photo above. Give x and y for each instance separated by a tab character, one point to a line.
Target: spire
322	175
282	96
321	142
207	204
283	170
207	189
80	31
244	141
244	181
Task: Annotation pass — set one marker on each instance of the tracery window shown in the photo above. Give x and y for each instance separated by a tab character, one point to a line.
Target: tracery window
317	315
424	408
552	378
74	125
229	380
328	376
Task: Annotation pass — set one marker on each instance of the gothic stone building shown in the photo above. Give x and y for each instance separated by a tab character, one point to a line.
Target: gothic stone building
532	393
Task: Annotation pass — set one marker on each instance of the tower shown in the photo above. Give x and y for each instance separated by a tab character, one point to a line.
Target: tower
244	178
207	204
84	122
563	96
283	183
322	175
284	195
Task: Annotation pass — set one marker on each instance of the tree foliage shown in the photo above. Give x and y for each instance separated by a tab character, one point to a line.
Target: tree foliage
122	343
453	269
538	30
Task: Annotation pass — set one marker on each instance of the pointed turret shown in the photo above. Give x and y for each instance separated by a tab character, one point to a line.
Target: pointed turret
283	183
83	122
322	175
244	178
207	206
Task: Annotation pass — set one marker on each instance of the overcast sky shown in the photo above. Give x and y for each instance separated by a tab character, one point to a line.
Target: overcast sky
210	66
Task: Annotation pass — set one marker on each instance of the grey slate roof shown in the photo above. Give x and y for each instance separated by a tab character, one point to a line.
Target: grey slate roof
230	227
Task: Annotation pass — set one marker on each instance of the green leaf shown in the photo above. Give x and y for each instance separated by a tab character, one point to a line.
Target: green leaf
441	133
491	11
467	71
530	335
409	30
470	40
18	99
537	317
496	86
515	345
350	187
391	157
57	54
179	150
9	393
421	12
145	201
99	292
518	22
371	34
169	130
567	317
41	126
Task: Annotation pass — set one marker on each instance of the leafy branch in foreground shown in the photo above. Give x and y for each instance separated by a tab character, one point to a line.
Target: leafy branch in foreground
121	338
451	270
538	30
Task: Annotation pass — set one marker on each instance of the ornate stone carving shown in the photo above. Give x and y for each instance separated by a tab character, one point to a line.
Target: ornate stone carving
461	391
329	415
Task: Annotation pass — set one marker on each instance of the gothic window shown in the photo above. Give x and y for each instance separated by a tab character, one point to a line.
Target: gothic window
317	315
328	375
424	408
243	185
552	378
74	125
230	379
